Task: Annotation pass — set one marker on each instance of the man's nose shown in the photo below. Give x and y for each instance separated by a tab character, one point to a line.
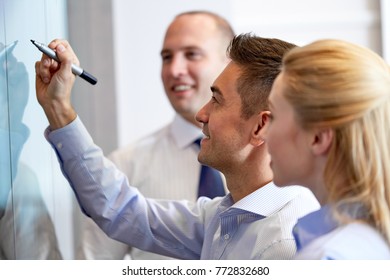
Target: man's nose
203	114
178	66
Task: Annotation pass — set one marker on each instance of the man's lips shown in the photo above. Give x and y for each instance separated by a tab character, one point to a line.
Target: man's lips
205	135
181	87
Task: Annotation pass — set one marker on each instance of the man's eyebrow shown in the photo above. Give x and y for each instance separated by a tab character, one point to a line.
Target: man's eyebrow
164	51
217	93
186	48
215	90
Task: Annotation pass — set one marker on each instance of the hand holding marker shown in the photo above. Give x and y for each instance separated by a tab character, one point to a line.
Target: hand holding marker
75	69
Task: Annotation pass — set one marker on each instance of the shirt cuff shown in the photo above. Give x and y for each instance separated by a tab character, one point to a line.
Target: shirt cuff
71	140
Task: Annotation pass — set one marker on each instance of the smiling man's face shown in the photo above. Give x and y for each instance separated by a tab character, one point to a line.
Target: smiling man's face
227	133
192	57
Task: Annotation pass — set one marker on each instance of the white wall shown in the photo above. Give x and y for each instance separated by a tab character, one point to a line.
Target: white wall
304	21
385	17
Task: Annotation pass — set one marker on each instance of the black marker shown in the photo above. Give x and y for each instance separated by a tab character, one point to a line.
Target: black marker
75	69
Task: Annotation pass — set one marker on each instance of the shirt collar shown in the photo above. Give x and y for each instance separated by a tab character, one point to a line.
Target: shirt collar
313	225
272	199
183	132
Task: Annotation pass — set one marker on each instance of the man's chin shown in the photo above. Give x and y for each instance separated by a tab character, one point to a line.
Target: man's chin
208	163
203	159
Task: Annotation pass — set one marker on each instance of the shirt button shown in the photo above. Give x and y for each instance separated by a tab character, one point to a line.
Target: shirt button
59	145
226	236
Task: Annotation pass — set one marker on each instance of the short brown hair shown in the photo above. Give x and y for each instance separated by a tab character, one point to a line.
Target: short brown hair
260	60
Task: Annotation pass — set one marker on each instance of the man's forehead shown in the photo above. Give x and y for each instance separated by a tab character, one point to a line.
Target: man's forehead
226	82
193	27
190	19
232	71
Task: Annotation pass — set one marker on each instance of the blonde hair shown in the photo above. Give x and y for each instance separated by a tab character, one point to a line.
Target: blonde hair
345	87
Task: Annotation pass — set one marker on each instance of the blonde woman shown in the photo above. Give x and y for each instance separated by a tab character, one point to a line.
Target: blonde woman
329	130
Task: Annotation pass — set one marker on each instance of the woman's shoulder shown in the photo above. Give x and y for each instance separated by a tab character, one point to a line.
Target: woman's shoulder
351	242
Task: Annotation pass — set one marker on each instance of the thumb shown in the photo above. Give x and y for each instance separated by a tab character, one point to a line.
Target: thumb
65	57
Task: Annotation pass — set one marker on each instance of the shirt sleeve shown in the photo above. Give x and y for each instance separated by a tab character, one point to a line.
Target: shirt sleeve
172	228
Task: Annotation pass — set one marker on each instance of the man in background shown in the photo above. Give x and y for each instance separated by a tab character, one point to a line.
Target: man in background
164	165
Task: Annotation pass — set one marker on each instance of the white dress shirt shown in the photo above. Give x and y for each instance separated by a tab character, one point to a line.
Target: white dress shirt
257	227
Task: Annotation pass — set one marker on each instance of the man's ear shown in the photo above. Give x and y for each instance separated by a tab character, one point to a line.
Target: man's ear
322	141
261	122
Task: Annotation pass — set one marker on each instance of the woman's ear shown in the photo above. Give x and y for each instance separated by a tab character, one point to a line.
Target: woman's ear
322	141
260	125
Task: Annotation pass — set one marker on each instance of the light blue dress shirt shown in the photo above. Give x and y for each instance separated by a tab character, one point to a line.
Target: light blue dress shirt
319	236
159	165
257	227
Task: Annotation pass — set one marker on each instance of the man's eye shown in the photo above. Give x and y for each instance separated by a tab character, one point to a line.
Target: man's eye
166	57
193	55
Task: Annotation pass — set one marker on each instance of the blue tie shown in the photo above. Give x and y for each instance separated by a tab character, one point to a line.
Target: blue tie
210	182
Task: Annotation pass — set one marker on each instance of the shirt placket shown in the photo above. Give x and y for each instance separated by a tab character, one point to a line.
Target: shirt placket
229	225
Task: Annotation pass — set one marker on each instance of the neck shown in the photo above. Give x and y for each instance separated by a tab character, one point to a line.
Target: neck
245	181
316	181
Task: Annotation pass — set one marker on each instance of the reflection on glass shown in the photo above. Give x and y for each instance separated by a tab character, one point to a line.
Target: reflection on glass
5	169
26	229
